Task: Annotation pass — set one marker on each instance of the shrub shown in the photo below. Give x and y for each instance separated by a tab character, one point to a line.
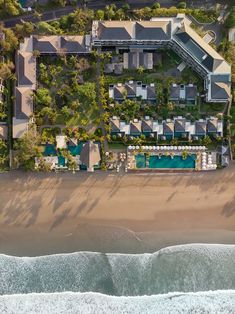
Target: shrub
181	5
156	5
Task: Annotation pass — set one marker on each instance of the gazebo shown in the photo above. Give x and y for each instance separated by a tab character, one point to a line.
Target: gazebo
90	155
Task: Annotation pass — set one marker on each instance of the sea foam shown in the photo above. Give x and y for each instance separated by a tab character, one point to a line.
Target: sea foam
222	302
184	268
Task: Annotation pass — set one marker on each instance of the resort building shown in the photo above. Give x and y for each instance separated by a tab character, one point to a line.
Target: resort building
26	71
138	59
183	94
178	127
174	33
132	90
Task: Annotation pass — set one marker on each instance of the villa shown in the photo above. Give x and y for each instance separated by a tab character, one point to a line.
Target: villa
132	90
137	59
183	94
178	127
85	155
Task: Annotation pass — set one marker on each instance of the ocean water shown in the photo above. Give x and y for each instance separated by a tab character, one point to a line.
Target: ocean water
196	278
218	302
184	268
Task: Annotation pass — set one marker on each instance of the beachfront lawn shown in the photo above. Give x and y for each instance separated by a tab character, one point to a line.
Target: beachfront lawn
63	96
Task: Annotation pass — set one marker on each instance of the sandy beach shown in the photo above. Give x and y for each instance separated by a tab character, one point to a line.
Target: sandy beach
132	213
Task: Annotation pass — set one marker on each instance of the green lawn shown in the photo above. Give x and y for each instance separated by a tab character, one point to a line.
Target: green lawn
117	146
212	108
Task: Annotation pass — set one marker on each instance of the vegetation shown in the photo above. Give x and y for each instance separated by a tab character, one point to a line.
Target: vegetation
60	98
9	8
230	21
3	155
26	149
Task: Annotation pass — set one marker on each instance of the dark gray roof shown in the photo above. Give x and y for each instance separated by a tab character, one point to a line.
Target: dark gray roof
151	92
115	30
168	127
26	69
144	59
175	91
180	125
23	103
147	126
190	92
73	43
212	125
118	68
200	127
133	60
90	154
130	88
118	92
115	125
152	30
108	68
45	44
135	127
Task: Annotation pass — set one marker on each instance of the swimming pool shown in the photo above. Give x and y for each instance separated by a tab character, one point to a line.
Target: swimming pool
140	160
75	150
50	150
165	162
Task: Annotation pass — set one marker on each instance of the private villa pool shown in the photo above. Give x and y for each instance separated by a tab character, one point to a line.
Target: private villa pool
165	162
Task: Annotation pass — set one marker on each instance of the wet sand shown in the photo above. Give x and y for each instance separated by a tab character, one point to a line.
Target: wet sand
56	213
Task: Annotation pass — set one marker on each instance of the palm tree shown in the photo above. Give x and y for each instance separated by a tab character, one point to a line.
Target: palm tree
184	154
140	70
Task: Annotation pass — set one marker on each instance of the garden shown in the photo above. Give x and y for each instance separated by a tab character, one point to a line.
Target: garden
63	96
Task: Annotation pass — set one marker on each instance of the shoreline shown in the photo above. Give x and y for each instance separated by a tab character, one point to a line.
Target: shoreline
133	213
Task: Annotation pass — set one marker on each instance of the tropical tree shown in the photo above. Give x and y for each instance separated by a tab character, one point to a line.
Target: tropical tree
184	154
140	70
99	15
26	148
42	97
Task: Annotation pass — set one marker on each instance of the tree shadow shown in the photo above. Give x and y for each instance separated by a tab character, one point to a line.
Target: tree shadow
229	208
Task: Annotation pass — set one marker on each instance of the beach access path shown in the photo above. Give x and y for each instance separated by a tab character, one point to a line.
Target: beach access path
126	213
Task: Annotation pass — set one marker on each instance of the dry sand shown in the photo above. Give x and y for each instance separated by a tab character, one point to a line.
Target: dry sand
55	213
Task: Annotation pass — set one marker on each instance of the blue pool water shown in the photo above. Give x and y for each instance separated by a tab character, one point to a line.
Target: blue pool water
165	162
75	150
50	150
177	162
61	161
140	161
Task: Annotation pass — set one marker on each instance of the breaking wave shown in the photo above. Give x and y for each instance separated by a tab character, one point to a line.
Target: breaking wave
222	302
184	268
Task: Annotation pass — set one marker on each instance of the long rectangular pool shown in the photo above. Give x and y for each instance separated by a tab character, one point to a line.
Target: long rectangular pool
165	162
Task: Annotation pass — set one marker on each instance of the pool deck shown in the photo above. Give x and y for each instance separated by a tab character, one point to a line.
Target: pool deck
166	151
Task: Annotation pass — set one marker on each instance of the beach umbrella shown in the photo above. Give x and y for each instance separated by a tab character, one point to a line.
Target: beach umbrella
137	147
